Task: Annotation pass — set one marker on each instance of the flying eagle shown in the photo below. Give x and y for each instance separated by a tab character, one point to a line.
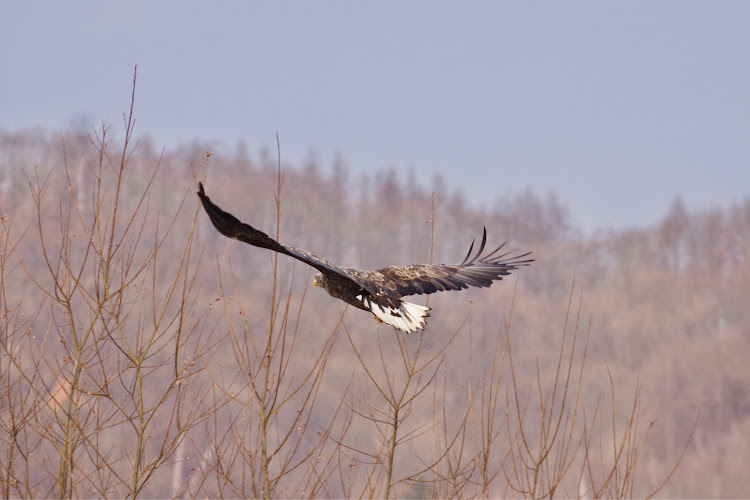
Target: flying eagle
381	291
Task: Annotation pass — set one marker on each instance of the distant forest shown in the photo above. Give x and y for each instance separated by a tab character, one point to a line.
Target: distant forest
135	340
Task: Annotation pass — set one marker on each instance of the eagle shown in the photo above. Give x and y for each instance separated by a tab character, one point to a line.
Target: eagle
381	291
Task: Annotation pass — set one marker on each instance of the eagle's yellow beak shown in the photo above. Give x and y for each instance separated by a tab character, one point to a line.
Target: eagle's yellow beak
315	281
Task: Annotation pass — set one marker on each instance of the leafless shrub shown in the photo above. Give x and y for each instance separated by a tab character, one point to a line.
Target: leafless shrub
119	378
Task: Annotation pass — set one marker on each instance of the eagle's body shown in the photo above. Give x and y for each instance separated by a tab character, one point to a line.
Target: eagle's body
380	291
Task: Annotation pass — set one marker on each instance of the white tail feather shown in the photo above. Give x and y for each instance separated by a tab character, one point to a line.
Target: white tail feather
408	317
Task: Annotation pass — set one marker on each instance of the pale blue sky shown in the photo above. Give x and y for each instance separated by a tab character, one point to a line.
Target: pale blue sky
616	107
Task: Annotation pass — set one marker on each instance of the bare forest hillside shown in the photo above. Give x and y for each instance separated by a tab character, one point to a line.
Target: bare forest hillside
144	354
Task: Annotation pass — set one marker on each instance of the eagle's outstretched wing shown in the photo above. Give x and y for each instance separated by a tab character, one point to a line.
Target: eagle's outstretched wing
475	270
231	227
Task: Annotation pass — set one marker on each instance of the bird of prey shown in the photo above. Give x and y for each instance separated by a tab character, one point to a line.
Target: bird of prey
380	292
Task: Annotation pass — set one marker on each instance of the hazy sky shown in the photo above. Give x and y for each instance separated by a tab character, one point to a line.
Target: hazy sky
616	107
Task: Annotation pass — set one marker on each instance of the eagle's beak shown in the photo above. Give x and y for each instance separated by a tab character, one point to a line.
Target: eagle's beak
315	281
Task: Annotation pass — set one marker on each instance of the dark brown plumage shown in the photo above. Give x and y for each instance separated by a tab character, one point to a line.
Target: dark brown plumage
381	291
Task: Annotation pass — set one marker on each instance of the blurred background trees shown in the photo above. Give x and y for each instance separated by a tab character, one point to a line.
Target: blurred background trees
667	306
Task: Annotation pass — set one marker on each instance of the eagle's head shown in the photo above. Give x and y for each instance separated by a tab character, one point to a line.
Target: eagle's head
319	280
